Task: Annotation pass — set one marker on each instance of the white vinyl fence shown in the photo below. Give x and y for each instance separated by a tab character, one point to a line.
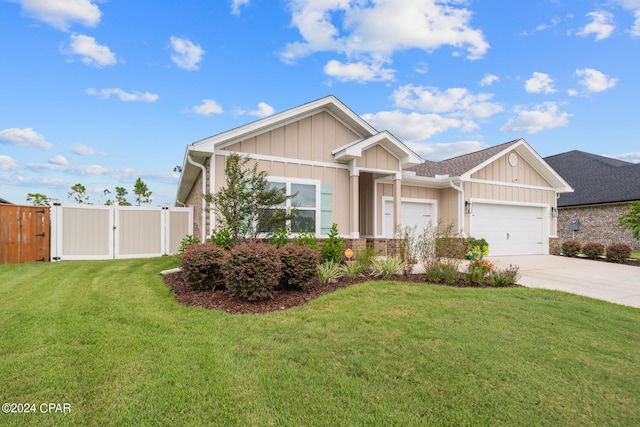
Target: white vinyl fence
89	232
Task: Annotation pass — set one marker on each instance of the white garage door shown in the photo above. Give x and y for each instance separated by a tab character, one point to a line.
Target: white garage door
509	230
416	214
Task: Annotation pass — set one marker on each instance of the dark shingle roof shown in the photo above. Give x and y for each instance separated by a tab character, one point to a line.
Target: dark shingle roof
4	201
459	165
596	179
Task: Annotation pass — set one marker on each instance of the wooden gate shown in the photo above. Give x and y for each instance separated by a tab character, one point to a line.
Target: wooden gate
24	234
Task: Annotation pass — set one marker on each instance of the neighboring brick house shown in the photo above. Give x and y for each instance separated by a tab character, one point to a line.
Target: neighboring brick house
603	187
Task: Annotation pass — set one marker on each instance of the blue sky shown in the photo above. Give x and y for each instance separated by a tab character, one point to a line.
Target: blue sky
103	92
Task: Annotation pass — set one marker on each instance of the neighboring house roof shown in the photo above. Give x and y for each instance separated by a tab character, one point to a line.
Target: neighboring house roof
466	165
596	179
5	201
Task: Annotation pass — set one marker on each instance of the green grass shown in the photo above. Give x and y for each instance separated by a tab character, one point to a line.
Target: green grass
635	255
109	338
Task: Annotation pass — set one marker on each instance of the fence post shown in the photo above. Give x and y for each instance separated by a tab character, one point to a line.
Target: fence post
55	242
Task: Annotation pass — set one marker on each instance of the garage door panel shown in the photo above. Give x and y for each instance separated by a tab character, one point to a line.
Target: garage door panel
509	230
413	214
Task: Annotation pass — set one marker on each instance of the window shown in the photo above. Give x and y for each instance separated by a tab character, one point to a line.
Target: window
304	203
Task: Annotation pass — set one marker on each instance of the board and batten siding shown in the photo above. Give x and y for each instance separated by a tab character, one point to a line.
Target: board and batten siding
501	171
378	158
311	138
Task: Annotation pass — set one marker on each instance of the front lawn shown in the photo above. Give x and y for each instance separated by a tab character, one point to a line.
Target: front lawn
108	338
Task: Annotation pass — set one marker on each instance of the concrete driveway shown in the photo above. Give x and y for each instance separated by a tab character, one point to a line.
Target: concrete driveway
602	280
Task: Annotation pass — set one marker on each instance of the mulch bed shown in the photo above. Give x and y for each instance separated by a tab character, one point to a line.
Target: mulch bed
222	300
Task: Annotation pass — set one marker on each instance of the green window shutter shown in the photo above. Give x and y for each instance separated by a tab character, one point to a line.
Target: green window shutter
326	217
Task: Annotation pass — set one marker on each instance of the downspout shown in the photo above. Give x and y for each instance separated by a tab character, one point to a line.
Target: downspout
204	191
460	206
180	203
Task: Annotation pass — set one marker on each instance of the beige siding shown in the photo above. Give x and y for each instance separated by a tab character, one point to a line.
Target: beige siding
501	170
448	208
378	158
86	232
311	138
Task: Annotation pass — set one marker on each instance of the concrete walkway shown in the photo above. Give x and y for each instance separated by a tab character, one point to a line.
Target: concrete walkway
602	280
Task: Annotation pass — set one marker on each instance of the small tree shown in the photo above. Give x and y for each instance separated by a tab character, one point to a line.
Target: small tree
37	199
248	204
143	195
79	193
630	219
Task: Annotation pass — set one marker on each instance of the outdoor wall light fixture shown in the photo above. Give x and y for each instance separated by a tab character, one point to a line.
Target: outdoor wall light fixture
468	207
554	212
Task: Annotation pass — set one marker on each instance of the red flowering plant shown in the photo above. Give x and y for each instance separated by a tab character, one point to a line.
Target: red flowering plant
477	269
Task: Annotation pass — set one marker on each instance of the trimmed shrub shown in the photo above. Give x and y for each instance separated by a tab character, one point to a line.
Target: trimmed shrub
202	264
571	248
252	270
451	248
618	252
593	250
298	266
329	272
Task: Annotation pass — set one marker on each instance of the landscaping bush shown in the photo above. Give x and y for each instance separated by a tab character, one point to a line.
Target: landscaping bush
477	248
451	248
187	241
618	252
571	248
333	247
307	238
252	270
505	277
387	267
202	264
354	269
298	266
593	250
329	272
442	272
222	237
477	270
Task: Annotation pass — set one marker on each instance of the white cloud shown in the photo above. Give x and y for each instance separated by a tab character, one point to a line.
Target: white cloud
635	30
7	163
208	107
454	101
371	32
236	4
541	117
187	55
263	110
59	160
358	71
489	79
90	52
601	25
628	157
594	80
24	137
539	83
85	150
413	126
73	170
441	151
134	96
61	13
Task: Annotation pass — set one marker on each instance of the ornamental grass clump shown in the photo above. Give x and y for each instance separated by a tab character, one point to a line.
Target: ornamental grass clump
477	270
353	270
329	272
593	250
442	272
505	277
252	270
202	264
387	267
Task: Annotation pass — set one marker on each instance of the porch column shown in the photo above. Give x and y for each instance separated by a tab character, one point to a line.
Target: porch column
354	204
397	195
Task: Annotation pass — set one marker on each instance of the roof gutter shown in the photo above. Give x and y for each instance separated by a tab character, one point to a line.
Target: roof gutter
204	191
460	207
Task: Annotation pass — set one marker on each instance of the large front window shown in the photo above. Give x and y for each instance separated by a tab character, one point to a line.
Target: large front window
304	204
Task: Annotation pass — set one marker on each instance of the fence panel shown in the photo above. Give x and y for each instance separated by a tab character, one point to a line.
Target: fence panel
24	234
107	232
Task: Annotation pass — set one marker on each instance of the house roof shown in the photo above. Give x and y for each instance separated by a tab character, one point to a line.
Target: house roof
5	201
596	179
466	165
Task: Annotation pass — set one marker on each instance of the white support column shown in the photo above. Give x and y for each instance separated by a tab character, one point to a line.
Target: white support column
354	201
397	196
